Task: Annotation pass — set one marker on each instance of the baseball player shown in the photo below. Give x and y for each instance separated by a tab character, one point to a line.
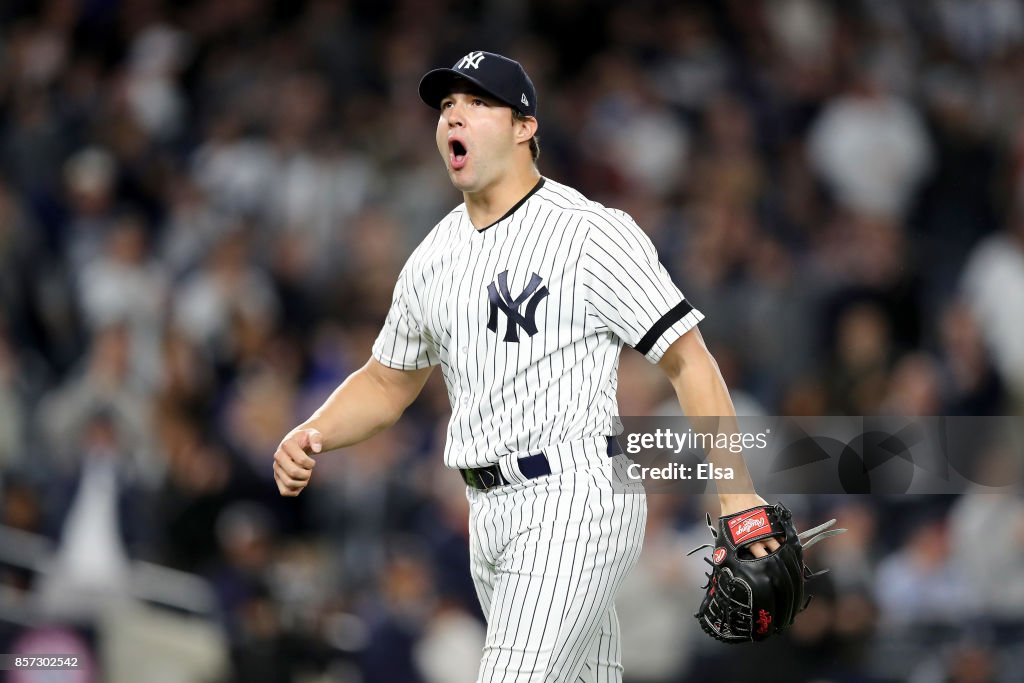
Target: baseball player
524	295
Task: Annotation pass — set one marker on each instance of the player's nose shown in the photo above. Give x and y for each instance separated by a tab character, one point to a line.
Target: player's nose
455	114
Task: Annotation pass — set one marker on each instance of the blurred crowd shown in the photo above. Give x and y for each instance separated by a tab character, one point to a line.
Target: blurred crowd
204	205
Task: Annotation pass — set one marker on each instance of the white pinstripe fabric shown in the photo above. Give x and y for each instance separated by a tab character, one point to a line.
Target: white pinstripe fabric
548	554
606	287
547	559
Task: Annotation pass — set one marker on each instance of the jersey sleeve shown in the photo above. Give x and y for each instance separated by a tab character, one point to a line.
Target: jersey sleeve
630	291
403	342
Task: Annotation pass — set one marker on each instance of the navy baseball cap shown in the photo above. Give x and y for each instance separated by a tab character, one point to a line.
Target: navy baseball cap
502	78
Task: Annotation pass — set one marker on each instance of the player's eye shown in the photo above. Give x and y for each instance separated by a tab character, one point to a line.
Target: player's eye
479	102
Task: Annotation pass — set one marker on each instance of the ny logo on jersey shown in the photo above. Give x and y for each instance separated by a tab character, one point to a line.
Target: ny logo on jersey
502	299
473	59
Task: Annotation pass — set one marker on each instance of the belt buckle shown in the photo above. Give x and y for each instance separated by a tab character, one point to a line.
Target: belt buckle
486	476
481	478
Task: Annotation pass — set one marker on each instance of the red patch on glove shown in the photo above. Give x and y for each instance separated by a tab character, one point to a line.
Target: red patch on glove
750	526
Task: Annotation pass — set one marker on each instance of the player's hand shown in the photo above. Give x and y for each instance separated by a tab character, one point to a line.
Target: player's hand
739	502
293	465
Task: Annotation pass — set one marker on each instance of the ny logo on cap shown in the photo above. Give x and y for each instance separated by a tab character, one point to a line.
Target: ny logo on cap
473	59
501	299
526	102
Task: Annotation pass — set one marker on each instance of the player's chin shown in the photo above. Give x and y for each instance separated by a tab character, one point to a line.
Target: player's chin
462	180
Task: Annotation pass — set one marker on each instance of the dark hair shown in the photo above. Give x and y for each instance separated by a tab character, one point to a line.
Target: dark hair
534	141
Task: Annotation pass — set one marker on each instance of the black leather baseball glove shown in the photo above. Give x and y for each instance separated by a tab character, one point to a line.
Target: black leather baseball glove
748	599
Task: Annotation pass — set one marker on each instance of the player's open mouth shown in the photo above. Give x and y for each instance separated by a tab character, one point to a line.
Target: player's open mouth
457	153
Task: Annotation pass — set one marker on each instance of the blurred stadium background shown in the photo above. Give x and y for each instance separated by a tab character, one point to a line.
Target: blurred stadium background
203	208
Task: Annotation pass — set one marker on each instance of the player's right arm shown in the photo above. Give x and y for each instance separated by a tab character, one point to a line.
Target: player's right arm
370	400
374	396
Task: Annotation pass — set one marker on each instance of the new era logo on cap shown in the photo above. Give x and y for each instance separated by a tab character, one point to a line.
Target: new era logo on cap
500	77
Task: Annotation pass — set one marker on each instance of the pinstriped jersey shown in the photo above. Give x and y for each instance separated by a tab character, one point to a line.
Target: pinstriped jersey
527	318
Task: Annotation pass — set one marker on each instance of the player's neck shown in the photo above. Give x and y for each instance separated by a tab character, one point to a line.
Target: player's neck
491	203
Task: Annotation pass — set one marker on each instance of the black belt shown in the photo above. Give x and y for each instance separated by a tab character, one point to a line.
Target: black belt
531	467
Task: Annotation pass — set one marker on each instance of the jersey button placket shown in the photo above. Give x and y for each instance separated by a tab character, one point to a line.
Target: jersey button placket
462	336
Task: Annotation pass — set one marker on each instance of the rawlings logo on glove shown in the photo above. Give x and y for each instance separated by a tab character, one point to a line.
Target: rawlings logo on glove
743	527
750	599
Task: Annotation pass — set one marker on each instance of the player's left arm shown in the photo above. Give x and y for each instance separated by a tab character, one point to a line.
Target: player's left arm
702	393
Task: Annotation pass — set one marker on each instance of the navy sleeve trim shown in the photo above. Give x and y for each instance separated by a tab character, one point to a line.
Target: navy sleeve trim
666	321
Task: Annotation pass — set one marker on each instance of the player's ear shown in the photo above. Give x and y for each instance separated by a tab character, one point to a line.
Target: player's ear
525	127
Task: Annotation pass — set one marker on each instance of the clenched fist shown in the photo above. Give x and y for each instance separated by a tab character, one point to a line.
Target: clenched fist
292	465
